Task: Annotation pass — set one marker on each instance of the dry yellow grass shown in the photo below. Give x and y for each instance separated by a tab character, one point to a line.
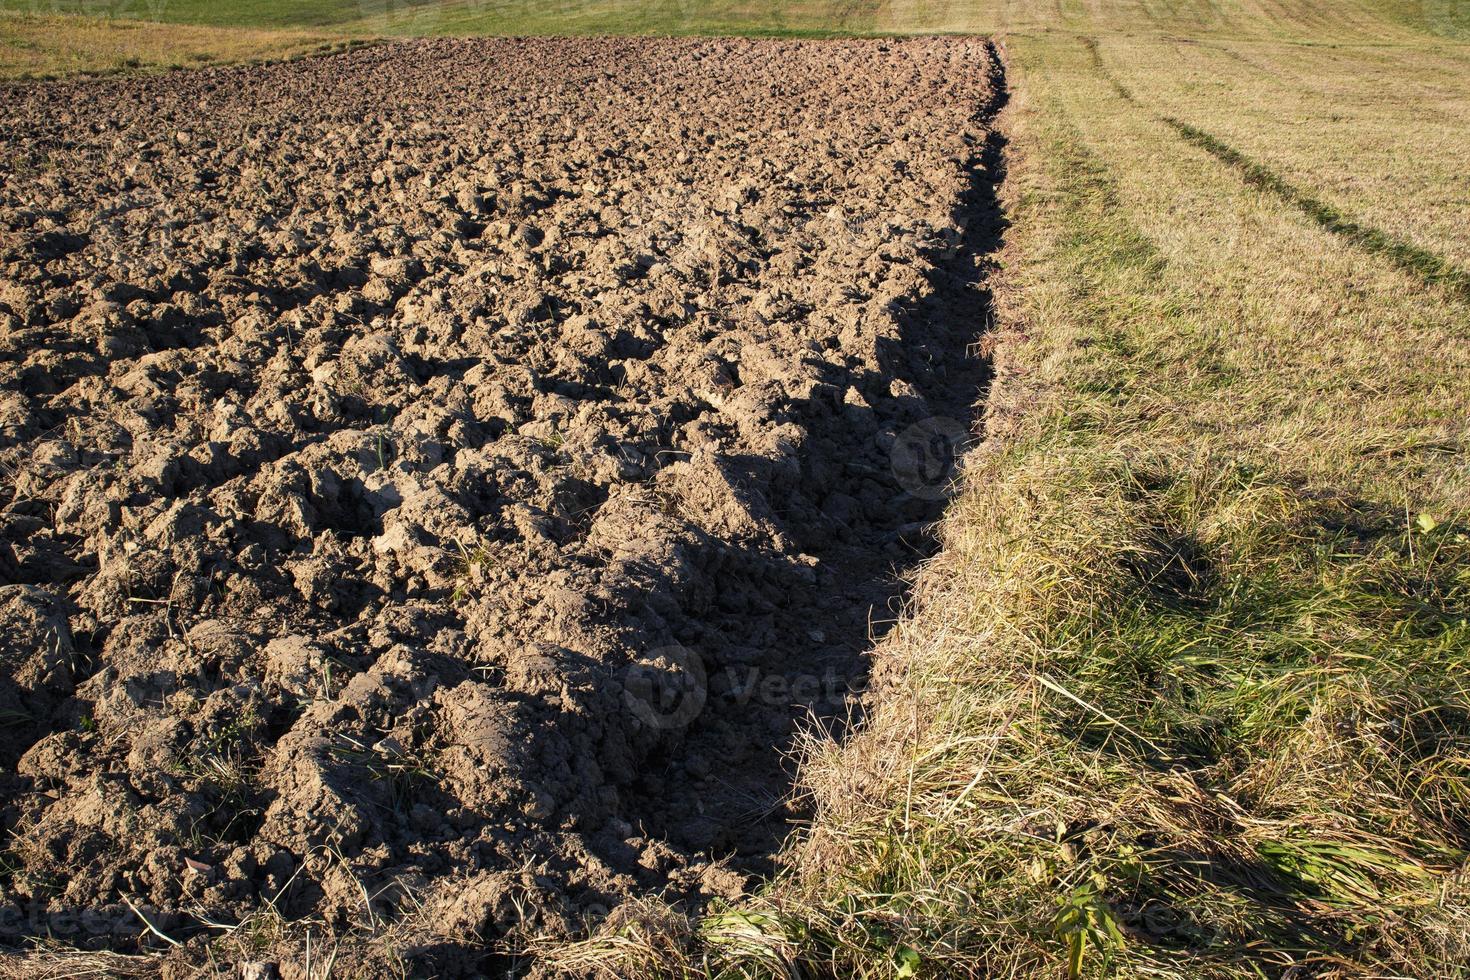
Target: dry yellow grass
48	46
1375	129
1320	358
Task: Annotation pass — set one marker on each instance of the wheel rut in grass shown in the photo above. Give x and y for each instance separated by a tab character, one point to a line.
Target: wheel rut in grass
1428	267
441	477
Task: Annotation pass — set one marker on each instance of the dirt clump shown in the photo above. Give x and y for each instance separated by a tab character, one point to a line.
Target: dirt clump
439	478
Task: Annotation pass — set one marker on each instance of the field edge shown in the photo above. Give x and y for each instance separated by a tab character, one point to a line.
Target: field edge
1121	729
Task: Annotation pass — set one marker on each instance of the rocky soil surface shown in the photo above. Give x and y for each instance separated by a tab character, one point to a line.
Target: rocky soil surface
437	481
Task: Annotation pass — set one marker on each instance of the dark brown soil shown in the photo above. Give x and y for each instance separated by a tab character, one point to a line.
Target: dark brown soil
438	480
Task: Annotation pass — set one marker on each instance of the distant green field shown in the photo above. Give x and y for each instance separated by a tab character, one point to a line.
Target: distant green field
43	38
235	13
1443	18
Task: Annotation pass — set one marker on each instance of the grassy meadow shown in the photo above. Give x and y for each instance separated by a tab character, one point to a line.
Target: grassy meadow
1185	692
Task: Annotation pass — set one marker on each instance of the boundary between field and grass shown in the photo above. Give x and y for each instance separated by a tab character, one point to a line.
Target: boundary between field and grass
780	932
1157	709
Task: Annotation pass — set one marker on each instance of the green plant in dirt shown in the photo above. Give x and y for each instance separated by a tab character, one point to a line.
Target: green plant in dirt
471	567
224	762
258	932
404	772
349	380
334	674
10	865
554	441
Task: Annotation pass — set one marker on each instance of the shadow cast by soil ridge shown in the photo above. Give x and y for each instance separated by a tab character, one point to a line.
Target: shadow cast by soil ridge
812	669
